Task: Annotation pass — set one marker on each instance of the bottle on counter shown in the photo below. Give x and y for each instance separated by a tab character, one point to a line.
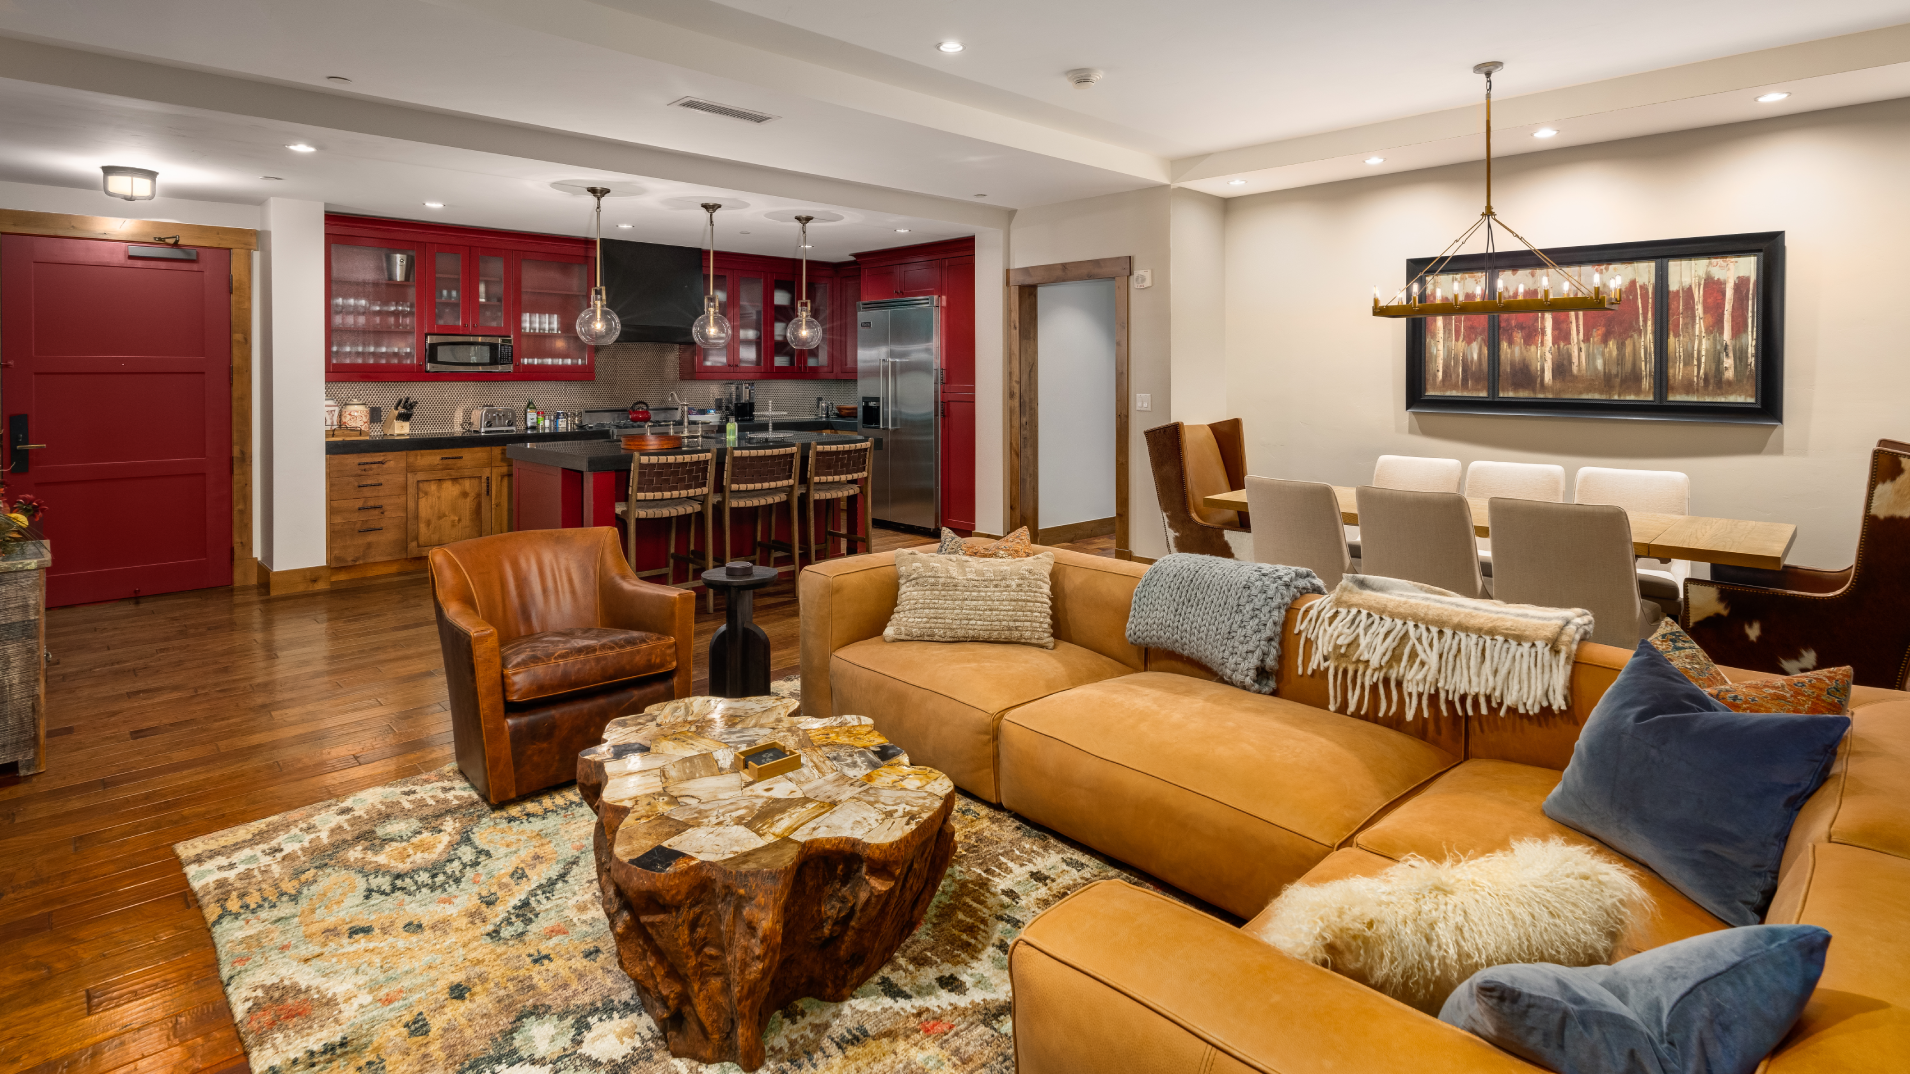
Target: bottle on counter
530	414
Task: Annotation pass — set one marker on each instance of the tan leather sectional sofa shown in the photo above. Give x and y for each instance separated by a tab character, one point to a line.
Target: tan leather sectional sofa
1230	796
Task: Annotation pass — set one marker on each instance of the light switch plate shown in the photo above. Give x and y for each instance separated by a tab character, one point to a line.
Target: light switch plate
1143	401
1143	278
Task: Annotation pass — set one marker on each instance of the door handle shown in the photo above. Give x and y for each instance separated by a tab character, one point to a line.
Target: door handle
27	447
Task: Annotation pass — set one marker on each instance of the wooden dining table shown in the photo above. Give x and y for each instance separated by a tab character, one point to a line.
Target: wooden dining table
1731	541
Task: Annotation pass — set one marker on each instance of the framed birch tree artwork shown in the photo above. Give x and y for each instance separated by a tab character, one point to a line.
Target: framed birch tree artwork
1697	334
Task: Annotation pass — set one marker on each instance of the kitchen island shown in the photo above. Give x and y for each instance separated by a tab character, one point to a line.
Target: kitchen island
563	485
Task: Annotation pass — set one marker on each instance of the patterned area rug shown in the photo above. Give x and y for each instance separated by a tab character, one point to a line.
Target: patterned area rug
412	928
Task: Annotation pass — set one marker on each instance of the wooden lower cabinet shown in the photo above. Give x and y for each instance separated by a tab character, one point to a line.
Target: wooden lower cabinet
397	506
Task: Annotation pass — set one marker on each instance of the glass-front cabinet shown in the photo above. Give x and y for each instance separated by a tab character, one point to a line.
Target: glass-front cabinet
391	283
758	296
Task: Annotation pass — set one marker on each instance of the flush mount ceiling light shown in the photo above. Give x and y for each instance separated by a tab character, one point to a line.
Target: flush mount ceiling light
598	324
712	330
805	332
1375	160
1410	301
1544	132
1236	182
132	184
301	147
901	231
626	225
951	46
1772	97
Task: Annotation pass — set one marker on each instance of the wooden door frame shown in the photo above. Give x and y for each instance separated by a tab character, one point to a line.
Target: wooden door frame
1021	425
236	239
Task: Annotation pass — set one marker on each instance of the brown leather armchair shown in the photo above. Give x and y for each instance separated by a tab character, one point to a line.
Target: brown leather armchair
1798	618
1190	463
547	636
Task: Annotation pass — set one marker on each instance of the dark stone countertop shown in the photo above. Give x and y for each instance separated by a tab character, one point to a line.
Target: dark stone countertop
610	455
443	441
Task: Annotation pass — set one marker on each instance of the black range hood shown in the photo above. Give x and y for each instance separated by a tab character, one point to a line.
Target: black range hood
657	290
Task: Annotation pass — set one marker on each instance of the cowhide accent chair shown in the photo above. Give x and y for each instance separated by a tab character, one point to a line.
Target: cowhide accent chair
1190	463
1799	618
547	636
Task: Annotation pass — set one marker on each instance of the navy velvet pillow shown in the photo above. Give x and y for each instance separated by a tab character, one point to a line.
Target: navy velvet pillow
1667	776
1712	1004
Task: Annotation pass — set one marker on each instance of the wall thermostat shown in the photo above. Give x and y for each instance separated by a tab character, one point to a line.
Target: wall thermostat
1143	278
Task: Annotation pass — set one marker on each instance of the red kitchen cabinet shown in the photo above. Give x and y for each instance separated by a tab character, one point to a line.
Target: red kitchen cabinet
451	281
758	295
878	283
957	463
958	326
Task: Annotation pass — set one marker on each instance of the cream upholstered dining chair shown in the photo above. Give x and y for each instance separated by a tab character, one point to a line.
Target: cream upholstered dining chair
1657	492
1191	463
1299	525
1420	536
1571	555
1517	480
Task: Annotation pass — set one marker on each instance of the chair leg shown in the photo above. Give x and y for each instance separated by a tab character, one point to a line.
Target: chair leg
709	547
669	555
868	534
795	542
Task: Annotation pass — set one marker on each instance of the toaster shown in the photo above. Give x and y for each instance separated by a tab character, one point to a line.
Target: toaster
493	419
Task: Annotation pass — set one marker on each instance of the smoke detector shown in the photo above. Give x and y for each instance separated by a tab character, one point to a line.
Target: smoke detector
1083	77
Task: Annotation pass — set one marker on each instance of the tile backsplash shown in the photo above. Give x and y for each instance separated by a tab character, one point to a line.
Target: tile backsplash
625	372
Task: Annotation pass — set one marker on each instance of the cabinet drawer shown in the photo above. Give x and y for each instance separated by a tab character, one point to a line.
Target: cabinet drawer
387	506
389	485
451	459
365	541
340	465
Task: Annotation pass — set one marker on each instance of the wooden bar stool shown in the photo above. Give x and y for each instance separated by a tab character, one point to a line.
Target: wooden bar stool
669	486
761	477
838	472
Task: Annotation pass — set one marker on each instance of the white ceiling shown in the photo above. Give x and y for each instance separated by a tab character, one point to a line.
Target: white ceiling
60	137
1281	93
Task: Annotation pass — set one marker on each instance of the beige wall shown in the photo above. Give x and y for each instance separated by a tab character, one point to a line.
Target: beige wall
1198	231
1321	383
1134	224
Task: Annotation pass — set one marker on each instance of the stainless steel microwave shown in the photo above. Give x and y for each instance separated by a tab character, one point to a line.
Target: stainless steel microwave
467	354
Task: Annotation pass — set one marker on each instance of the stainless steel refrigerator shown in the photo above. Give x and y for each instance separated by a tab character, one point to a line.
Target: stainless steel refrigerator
898	351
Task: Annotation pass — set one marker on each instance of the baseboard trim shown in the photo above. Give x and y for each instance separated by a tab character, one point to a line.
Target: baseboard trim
1076	531
296	580
379	569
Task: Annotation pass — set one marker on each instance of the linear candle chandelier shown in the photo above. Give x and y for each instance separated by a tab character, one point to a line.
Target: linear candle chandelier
1412	300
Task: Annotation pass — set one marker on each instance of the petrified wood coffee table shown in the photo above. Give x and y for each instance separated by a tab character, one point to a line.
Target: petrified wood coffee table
749	857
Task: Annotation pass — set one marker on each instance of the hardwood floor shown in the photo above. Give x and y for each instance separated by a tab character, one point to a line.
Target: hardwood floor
182	715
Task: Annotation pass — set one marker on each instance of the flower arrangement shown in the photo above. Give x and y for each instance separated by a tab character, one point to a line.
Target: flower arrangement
17	513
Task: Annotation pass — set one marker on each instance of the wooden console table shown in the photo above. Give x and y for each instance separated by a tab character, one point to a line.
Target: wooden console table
23	567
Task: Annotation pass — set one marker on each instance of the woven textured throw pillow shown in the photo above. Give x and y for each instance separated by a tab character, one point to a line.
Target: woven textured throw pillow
961	598
1684	654
1016	545
1825	692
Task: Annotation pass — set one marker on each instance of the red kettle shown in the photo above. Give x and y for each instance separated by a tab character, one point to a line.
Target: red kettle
639	411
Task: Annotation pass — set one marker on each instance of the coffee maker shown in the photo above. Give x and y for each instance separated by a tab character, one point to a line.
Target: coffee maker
737	401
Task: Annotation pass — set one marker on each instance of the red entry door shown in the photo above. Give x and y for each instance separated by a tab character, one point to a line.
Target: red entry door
119	363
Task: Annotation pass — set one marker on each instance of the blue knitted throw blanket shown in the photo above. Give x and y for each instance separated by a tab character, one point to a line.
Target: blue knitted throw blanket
1222	612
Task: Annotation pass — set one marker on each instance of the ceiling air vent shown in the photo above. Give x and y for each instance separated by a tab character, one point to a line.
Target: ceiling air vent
698	104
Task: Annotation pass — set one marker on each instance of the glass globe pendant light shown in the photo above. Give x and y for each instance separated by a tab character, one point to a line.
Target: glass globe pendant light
805	332
598	324
712	330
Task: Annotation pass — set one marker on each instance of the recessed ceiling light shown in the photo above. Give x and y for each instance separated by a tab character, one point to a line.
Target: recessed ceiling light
1236	182
1544	132
807	246
902	231
301	147
626	225
1773	96
274	178
742	233
951	46
1375	160
981	195
336	78
434	205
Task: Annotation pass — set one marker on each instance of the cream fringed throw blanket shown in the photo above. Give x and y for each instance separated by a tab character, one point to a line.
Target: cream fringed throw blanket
1408	642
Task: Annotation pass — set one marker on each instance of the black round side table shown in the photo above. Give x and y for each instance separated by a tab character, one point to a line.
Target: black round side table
739	652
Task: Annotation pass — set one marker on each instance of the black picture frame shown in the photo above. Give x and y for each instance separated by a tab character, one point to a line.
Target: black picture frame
1767	355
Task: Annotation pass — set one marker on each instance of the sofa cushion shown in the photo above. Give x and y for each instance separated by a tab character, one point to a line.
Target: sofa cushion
580	658
940	701
1664	773
1225	794
1482	806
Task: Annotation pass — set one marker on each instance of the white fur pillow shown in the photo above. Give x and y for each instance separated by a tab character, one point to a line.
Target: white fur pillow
1419	929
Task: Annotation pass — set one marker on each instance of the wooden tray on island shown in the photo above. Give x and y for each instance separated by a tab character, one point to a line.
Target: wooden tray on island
651	442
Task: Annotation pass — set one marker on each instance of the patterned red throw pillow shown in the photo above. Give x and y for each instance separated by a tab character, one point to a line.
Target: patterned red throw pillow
1685	655
1825	692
